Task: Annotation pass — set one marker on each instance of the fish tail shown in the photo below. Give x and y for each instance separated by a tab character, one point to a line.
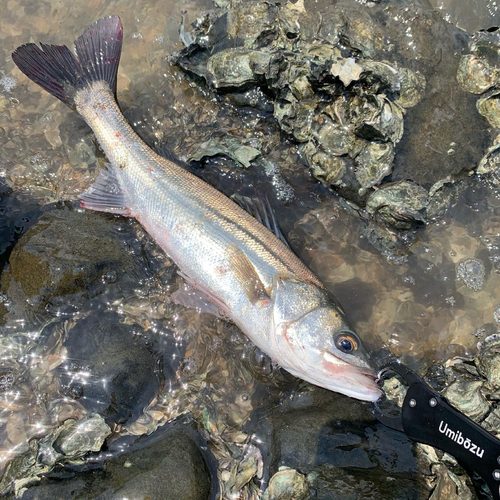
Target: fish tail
57	70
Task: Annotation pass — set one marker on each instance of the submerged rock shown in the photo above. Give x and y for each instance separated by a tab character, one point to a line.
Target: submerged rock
110	369
65	254
337	444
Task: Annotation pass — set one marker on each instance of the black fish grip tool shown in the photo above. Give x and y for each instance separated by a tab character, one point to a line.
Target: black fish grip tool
426	417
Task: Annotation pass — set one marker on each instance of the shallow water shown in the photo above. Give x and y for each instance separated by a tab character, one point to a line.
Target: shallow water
112	344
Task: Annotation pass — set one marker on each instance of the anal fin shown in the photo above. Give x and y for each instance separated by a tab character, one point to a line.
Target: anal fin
106	194
247	276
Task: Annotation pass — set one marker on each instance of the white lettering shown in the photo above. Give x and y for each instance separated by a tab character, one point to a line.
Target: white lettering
457	437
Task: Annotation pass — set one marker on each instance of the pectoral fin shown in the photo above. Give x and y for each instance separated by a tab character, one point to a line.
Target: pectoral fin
244	271
191	298
220	309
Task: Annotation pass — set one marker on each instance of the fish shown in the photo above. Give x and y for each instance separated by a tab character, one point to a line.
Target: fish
244	270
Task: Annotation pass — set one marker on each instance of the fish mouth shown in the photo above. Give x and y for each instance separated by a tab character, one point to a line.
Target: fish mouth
351	380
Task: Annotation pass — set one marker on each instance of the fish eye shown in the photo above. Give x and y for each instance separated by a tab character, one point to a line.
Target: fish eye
346	343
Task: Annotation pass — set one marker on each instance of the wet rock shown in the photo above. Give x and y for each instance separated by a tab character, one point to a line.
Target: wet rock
169	468
330	437
287	484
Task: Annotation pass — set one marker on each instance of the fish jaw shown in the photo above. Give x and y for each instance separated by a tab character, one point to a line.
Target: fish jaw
338	376
355	382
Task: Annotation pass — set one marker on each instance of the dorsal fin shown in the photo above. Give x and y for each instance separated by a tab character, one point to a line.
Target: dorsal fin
261	209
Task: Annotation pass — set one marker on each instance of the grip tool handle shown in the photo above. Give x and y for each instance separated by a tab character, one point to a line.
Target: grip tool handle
426	417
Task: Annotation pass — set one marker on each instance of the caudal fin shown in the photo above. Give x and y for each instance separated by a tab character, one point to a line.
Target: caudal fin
56	69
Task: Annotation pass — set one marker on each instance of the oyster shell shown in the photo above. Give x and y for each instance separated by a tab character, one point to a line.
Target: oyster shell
489	107
287	484
466	395
475	75
490	164
488	360
374	163
400	204
376	118
237	67
413	85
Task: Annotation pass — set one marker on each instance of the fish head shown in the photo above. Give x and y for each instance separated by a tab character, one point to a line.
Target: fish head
315	343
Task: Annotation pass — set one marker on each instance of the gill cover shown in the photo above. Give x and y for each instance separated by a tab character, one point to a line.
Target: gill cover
309	320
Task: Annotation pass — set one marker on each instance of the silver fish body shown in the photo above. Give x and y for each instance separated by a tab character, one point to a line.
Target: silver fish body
225	253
